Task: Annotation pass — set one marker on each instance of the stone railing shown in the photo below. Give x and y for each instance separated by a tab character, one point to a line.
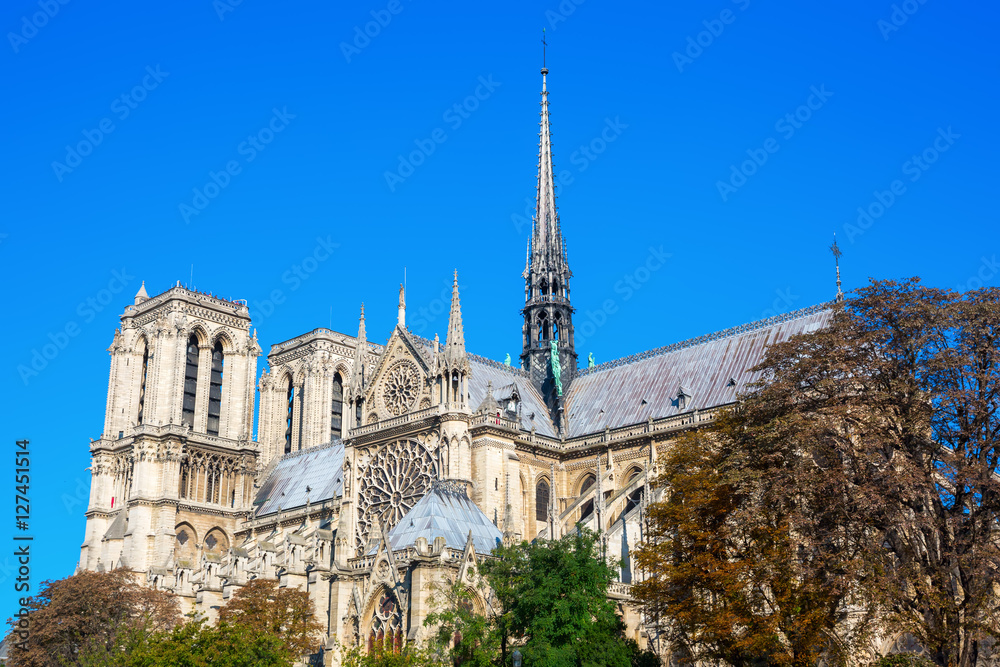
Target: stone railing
493	420
432	411
179	430
620	590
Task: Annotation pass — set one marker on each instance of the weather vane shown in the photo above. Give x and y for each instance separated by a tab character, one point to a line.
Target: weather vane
543	48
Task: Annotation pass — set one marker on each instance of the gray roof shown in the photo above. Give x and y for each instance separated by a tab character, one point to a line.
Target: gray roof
116	531
503	378
316	474
446	512
634	389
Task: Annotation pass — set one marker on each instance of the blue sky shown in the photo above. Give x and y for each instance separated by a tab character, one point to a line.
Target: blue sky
735	137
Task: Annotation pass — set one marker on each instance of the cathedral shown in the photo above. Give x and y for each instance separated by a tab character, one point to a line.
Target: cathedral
381	472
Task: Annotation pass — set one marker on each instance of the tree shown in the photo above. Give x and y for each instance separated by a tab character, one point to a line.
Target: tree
84	612
876	440
753	564
552	597
388	655
261	606
196	644
467	636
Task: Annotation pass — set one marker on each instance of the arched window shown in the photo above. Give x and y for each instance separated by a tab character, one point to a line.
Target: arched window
543	327
555	288
588	507
544	287
635	497
357	412
215	390
556	325
289	411
142	380
387	625
336	406
542	500
183	490
190	382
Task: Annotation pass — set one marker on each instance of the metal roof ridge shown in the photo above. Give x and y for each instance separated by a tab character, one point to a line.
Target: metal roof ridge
707	338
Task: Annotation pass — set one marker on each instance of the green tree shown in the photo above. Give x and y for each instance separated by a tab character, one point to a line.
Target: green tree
553	604
464	634
387	655
196	644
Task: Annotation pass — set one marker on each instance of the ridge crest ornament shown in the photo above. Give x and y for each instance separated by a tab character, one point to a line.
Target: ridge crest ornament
400	388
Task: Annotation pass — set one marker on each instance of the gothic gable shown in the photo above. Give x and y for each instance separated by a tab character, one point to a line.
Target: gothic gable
401	383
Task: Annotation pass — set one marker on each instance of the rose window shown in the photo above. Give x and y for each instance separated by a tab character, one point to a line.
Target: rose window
398	475
401	388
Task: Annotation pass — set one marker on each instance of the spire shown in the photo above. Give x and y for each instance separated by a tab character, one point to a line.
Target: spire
454	346
836	258
548	314
141	295
358	377
546	242
401	319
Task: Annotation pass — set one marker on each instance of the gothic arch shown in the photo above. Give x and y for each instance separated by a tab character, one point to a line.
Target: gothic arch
543	497
222	336
199	332
217	541
383	618
630	474
185	542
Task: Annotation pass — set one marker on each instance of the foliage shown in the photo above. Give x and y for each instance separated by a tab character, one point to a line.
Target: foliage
261	606
903	660
196	644
89	611
385	655
553	604
755	563
466	635
867	455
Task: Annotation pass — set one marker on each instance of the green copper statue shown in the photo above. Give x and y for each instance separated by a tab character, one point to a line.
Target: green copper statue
507	360
556	368
590	360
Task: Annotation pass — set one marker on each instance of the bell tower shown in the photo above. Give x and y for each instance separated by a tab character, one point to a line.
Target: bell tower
547	352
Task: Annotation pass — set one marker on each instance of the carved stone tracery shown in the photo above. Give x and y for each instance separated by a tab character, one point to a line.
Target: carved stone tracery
396	476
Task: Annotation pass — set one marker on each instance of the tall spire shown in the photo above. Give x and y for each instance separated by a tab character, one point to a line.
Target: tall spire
836	258
548	315
454	347
358	372
546	241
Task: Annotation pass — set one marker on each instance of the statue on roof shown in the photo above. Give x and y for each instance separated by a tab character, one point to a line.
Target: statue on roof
507	360
590	360
556	368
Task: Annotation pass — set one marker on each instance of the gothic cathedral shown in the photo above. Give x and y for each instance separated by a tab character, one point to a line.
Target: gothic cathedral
380	471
